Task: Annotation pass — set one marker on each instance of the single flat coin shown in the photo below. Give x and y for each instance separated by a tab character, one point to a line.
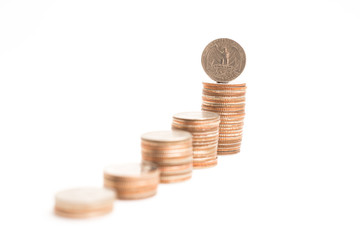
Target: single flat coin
165	161
205	164
132	180
167	136
131	170
197	116
175	168
136	196
224	86
87	196
228	152
89	214
84	202
223	60
175	178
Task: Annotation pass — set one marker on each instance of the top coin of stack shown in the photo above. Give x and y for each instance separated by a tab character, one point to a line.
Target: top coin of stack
204	127
132	180
84	202
223	60
228	100
171	151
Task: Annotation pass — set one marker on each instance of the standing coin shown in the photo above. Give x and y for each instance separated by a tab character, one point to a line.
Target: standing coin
223	60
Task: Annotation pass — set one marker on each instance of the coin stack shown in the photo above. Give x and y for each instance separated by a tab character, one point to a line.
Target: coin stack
132	180
224	60
171	151
228	100
84	202
204	127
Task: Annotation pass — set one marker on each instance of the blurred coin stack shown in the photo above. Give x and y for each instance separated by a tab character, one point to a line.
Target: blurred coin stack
84	202
171	151
228	100
132	180
204	127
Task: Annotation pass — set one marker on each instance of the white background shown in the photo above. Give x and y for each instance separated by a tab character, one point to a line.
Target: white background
80	81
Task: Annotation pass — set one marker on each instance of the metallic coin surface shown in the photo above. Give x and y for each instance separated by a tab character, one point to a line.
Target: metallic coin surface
131	170
223	60
197	116
84	202
132	180
205	164
80	214
166	136
204	127
227	100
171	151
84	196
135	196
215	86
175	178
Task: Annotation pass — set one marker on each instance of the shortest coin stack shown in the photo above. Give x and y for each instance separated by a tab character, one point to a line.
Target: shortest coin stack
204	127
171	151
132	180
84	202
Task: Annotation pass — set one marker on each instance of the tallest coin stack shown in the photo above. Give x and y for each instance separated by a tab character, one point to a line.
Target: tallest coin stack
223	60
228	100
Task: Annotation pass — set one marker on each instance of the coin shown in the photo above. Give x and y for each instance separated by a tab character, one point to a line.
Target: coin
196	116
177	169
166	136
223	60
176	178
208	92
215	86
206	164
171	151
204	127
84	202
131	171
227	100
132	180
228	152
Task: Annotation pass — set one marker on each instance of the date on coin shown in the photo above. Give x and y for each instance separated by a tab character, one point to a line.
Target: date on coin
223	60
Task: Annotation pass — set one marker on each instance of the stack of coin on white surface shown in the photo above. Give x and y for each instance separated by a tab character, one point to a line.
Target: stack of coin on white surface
132	180
84	202
204	127
171	151
229	102
223	60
